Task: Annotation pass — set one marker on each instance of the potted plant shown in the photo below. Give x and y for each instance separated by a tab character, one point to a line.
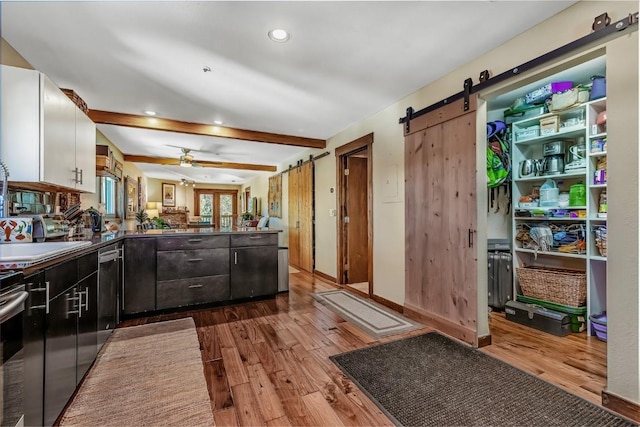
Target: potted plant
142	218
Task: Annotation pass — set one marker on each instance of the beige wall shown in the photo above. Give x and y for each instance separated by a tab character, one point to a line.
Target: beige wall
388	178
9	56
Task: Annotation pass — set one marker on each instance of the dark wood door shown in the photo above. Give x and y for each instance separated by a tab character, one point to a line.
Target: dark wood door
357	228
440	219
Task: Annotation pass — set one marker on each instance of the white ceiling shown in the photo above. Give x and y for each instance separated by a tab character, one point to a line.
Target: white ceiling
344	62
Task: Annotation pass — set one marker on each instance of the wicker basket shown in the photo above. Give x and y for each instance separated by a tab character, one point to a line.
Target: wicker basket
561	286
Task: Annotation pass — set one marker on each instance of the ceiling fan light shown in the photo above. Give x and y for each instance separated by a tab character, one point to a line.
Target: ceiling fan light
185	164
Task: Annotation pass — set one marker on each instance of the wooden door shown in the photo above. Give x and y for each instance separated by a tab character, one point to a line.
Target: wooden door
305	216
358	227
294	220
440	220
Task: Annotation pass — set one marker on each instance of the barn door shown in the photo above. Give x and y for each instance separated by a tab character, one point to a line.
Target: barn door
440	220
301	214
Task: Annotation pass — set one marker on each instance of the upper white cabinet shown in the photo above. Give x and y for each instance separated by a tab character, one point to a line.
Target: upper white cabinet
45	137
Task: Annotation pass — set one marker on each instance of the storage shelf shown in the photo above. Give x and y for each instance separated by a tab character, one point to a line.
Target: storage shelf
559	254
598	154
579	174
598	258
598	186
573	132
543	218
598	135
598	219
549	208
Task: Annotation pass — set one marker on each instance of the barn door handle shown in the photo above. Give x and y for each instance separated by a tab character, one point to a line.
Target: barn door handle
470	238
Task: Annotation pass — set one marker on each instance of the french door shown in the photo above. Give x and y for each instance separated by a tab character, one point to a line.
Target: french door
219	205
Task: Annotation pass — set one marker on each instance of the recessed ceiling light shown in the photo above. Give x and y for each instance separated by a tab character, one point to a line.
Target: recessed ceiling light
279	35
217	122
150	113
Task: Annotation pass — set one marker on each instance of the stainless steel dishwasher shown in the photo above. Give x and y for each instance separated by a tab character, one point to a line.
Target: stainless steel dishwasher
109	279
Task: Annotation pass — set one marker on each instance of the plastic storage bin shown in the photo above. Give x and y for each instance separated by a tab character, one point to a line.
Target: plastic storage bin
599	322
577	315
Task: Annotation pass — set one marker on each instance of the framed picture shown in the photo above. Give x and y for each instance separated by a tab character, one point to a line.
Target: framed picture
131	197
168	194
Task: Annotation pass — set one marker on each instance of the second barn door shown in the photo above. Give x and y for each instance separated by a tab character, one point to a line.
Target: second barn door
301	216
440	219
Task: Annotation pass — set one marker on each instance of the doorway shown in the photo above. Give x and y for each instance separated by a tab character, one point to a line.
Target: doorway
355	219
219	205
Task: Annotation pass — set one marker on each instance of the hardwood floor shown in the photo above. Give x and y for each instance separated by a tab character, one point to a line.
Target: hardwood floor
266	362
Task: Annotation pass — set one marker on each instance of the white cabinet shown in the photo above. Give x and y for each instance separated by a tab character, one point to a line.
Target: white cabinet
45	137
575	125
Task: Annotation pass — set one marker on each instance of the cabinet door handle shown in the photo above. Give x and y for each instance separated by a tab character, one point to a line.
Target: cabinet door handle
86	299
75	175
195	286
81	176
46	302
194	260
235	258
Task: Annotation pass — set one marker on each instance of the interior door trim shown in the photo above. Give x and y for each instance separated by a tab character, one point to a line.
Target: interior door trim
342	152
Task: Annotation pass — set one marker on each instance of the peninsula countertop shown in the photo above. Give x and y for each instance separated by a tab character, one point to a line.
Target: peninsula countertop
36	260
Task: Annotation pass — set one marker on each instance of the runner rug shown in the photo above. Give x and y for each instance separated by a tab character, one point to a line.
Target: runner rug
375	319
149	375
431	380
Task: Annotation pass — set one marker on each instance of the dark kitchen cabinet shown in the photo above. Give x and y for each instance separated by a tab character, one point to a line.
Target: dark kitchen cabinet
34	330
70	330
192	270
254	271
60	339
87	307
139	287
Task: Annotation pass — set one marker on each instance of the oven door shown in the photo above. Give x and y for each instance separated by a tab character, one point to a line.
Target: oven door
12	356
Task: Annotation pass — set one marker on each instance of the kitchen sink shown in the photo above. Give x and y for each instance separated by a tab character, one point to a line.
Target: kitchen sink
22	255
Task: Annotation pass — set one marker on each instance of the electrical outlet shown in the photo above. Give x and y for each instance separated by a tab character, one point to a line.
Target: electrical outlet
332	212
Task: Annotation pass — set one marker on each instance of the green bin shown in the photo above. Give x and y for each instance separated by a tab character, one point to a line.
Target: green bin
578	315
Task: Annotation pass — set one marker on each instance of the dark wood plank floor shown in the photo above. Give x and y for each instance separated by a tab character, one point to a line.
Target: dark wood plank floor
267	362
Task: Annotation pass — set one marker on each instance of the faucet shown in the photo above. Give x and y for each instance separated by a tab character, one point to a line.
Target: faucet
4	202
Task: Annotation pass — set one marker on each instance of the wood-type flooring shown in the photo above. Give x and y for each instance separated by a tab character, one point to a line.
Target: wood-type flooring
266	362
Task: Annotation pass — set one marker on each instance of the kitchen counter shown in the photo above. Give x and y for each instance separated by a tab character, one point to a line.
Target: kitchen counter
30	257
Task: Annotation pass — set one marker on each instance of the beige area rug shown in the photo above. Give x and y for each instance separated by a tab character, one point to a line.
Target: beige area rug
375	319
147	375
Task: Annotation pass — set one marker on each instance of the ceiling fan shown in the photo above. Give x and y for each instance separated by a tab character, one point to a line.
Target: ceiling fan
186	159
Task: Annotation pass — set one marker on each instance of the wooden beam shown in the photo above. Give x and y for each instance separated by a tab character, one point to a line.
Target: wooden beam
154	123
206	164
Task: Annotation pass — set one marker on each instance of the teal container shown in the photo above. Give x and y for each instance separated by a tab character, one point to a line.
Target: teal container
578	315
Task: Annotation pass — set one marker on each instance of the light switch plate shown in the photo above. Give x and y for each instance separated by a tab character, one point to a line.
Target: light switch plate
332	212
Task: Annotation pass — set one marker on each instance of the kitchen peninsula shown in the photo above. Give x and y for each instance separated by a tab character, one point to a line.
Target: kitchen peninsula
78	291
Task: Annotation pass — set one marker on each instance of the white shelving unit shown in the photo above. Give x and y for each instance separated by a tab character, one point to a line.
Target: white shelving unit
583	119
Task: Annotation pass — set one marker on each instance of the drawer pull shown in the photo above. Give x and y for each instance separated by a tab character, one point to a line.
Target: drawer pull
195	286
255	237
195	240
194	259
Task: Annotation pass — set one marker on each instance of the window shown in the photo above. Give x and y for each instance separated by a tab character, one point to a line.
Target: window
109	195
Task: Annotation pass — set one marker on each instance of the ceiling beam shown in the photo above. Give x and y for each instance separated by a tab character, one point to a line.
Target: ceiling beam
206	164
144	122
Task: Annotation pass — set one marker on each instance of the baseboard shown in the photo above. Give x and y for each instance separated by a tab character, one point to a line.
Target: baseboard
441	324
484	341
392	305
622	406
324	276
